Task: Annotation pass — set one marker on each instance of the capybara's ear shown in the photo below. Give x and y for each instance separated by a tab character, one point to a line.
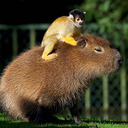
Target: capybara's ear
82	42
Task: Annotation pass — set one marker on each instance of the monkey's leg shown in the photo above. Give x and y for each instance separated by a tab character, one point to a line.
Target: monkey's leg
69	40
49	46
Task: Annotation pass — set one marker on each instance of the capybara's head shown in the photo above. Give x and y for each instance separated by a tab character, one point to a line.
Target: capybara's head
96	56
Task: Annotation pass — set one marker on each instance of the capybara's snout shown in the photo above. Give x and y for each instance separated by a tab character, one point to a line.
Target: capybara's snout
118	61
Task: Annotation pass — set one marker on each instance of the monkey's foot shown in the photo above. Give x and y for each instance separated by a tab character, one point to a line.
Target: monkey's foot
51	56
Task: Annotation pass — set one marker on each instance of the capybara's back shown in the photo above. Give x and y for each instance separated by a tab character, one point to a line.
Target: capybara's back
32	87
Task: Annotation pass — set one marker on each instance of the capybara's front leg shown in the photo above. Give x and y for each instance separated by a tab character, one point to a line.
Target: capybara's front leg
40	115
75	114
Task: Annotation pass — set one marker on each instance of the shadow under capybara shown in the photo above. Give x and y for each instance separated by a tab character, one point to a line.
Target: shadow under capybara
33	89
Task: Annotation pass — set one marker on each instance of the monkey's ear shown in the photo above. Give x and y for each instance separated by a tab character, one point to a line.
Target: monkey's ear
71	17
82	42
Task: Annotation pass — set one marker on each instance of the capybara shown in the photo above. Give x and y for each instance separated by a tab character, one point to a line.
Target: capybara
33	89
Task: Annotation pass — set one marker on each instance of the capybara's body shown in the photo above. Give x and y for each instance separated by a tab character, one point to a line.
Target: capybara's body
32	87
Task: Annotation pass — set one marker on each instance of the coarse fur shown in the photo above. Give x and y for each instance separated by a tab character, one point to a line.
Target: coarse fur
29	82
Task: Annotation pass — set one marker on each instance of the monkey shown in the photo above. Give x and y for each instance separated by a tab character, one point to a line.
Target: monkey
65	28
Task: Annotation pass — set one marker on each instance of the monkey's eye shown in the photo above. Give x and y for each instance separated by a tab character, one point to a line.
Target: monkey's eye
78	19
98	49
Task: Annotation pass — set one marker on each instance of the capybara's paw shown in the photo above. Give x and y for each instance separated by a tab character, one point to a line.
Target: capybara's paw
38	120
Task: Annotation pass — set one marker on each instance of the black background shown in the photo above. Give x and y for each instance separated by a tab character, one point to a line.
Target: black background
34	11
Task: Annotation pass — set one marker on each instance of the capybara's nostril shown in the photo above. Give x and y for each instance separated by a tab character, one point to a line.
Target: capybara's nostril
118	60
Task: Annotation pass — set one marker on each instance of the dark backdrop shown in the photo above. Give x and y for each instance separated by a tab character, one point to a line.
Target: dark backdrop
34	11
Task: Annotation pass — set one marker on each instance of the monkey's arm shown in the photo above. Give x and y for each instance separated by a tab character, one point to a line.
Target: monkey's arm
69	40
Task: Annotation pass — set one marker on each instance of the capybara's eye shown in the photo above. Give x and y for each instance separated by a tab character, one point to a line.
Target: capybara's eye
98	49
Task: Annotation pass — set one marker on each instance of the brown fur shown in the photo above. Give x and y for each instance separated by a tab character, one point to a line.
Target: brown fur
29	82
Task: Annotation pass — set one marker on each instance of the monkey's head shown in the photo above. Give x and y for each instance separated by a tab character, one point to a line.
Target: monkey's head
77	16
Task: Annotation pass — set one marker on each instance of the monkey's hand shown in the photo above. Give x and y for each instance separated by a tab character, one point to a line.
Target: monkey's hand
69	40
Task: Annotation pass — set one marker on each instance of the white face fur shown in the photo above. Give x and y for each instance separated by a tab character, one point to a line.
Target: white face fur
78	21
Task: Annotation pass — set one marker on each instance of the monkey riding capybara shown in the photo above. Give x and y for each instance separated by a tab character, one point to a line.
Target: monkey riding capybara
33	89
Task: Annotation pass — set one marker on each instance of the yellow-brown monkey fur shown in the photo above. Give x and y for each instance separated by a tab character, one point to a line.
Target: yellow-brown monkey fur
65	28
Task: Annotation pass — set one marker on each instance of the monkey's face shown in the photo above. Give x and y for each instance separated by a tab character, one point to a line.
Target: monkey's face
79	21
77	16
